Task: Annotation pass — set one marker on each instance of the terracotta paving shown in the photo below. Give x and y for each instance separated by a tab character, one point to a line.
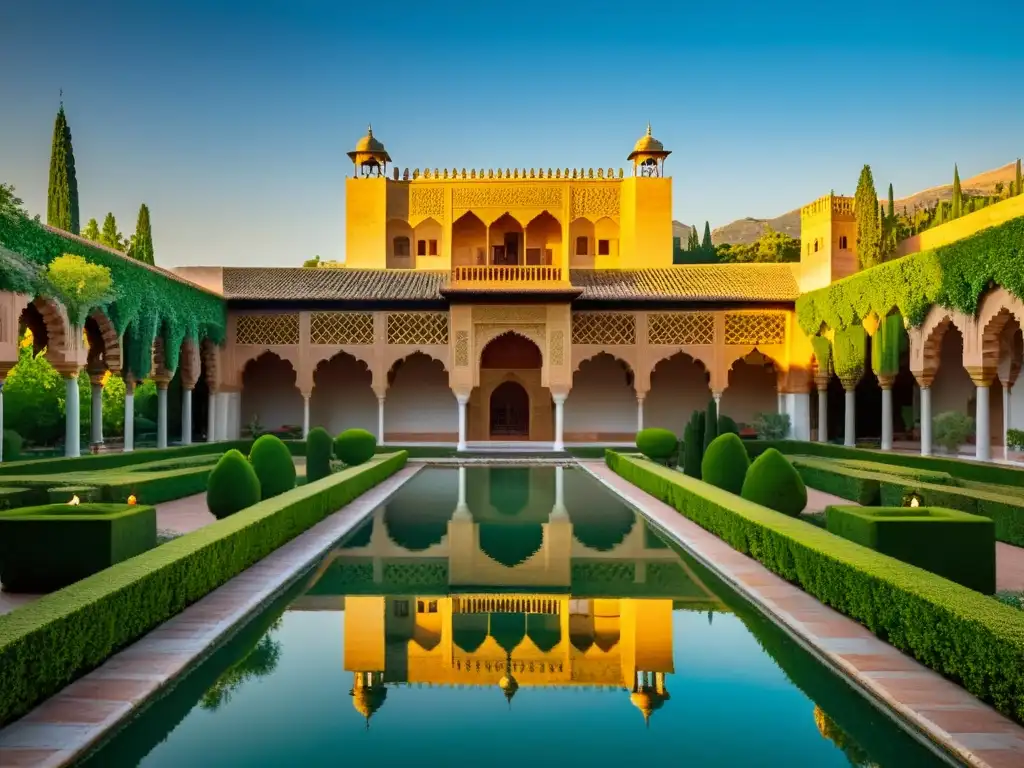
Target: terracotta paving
952	717
183	515
1009	567
818	500
63	727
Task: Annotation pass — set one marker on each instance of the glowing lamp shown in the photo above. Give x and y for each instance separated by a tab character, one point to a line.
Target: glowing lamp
132	500
912	500
75	501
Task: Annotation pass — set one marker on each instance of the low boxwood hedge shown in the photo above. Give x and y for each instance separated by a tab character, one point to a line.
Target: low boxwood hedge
62	494
839	480
101	461
47	644
968	637
964	469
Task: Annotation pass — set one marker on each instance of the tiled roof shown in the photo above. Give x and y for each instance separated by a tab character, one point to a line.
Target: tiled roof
703	282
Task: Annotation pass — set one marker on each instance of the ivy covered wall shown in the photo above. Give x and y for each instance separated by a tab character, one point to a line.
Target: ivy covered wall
147	301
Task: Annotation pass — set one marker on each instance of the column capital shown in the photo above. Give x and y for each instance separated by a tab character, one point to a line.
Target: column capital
981	375
96	379
885	381
821	383
462	397
850	382
924	378
162	382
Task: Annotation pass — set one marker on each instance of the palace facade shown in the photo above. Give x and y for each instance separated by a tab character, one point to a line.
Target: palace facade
510	304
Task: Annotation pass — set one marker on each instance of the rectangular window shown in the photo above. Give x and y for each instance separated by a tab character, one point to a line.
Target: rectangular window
421	247
401	608
401	246
581	246
432	250
533	256
432	606
604	247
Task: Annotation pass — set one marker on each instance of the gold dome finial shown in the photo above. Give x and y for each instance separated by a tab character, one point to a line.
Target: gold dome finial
648	127
370	157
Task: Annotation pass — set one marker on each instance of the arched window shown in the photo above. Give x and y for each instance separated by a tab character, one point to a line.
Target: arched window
401	246
842	242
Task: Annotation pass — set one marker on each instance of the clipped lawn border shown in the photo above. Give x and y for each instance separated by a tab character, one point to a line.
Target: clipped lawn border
51	642
963	469
965	636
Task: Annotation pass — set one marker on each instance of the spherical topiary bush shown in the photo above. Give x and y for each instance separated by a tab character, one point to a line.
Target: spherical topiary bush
272	462
319	450
355	446
12	443
657	444
232	486
725	463
773	482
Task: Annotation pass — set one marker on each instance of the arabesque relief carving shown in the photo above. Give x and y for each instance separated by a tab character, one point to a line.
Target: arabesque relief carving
594	202
507	196
427	201
509	315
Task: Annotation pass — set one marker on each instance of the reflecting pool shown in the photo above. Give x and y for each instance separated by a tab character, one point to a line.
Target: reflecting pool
510	617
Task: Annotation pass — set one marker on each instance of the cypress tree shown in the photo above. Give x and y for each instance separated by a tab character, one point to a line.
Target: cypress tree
1017	184
706	245
892	204
710	424
869	234
958	201
110	237
91	231
143	244
62	194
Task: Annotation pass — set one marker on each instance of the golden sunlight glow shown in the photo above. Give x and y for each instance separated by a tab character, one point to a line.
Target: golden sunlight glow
75	501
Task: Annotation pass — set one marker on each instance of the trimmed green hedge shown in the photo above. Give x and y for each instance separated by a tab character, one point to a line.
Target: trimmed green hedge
355	446
63	494
966	636
47	644
964	469
953	544
100	461
845	482
657	443
46	548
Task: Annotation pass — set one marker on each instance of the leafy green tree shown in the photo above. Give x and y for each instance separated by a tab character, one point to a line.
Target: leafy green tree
33	398
958	197
91	231
141	245
1019	179
10	204
79	285
869	233
311	263
110	237
692	243
62	195
706	245
771	247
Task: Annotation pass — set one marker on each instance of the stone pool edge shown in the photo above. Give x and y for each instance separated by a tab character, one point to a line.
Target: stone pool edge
68	725
1002	742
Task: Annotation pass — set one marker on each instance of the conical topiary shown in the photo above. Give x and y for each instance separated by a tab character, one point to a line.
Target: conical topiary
693	446
710	424
725	463
232	486
773	482
272	462
319	451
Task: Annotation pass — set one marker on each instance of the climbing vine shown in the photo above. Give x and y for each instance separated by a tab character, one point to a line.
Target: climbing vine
848	352
146	302
822	353
889	341
953	276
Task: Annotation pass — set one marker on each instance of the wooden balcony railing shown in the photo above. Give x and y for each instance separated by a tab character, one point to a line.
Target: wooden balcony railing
502	276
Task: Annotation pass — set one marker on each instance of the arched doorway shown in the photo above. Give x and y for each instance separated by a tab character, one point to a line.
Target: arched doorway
510	412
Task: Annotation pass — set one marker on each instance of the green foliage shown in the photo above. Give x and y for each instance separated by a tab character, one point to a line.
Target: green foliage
705	244
710	425
693	446
1018	179
34	399
772	426
657	444
49	643
11	206
772	482
80	286
849	350
770	248
889	340
891	211
1015	439
355	446
110	236
958	546
12	443
957	204
311	263
869	232
145	304
953	276
951	429
142	243
259	662
849	483
319	452
272	462
91	231
232	486
822	353
727	425
48	547
62	194
725	463
959	633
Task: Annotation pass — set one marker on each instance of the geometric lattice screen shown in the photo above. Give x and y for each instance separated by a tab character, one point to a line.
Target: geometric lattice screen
267	329
341	328
681	328
418	328
755	328
606	328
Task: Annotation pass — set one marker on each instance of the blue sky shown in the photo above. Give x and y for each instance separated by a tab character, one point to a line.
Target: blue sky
231	120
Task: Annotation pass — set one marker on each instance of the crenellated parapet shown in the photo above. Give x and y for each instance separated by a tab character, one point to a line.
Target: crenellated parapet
482	174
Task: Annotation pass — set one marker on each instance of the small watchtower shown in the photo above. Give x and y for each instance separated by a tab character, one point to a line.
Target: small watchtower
828	241
648	156
369	157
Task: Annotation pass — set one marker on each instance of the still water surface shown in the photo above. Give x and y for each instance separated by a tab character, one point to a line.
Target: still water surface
509	617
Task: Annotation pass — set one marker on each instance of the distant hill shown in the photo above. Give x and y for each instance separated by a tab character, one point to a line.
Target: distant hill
749	229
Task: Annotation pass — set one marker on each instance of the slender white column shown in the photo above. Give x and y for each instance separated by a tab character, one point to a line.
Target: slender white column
461	508
850	438
223	415
1007	391
161	414
559	421
559	512
462	400
639	412
305	415
72	421
887	418
129	414
822	414
186	417
211	417
982	433
926	421
96	411
781	402
380	420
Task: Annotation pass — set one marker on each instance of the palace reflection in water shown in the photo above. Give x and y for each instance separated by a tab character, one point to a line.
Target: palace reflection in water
493	581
